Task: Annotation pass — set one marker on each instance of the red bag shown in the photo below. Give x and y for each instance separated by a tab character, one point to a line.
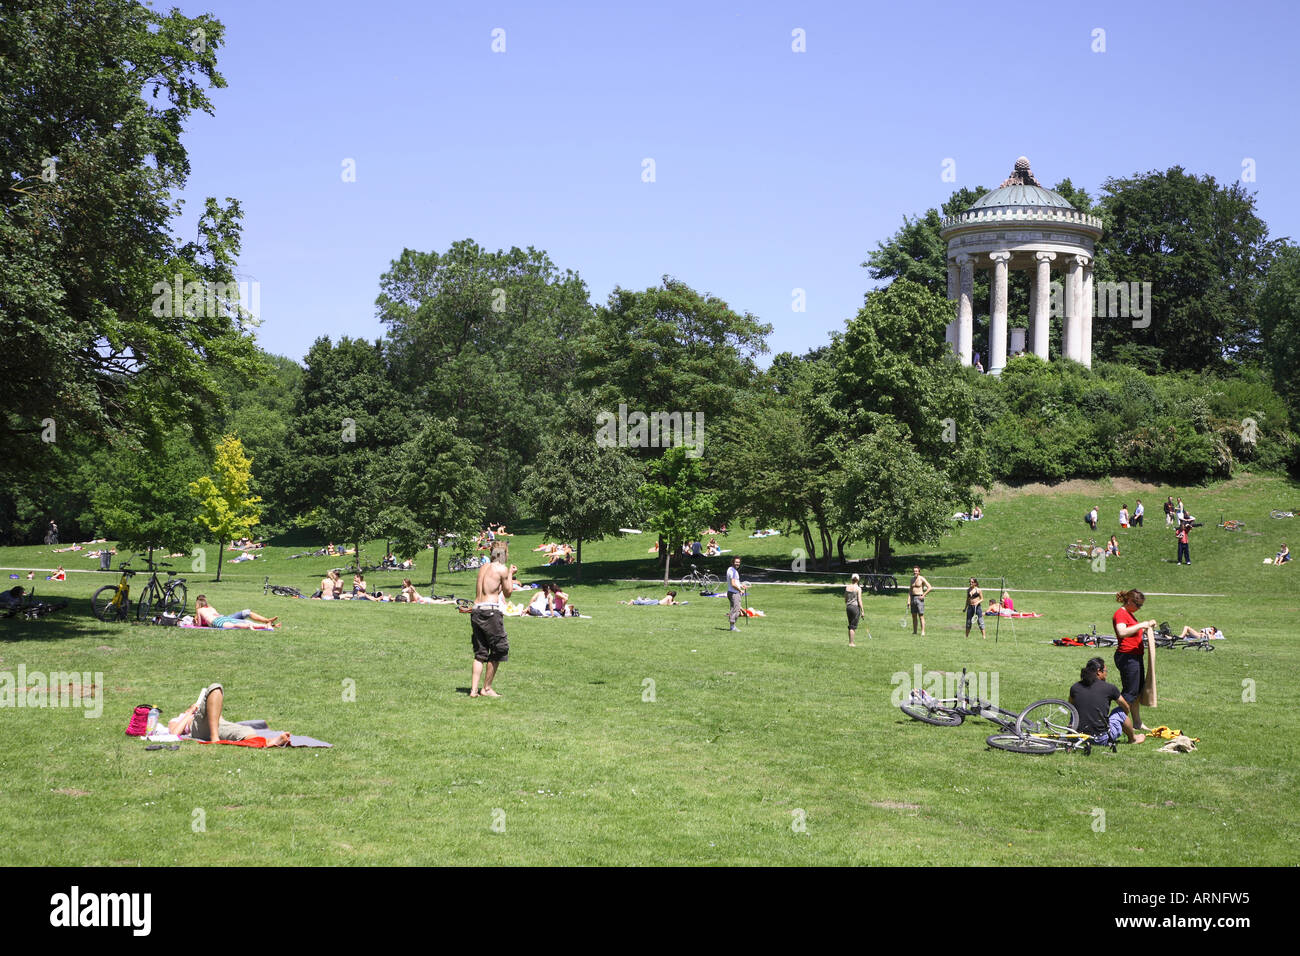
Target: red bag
139	723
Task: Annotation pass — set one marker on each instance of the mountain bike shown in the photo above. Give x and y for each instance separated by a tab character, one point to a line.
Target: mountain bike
1044	728
1282	514
1081	550
112	602
704	580
161	597
952	711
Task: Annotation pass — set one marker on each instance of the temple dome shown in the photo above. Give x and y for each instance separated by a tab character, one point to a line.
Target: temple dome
1021	188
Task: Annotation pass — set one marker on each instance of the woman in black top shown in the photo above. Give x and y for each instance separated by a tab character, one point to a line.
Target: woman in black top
1092	696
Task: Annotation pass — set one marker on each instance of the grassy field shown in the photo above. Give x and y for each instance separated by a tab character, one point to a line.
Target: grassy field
778	744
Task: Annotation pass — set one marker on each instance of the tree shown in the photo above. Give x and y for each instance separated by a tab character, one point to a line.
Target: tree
143	499
675	502
436	491
486	338
226	507
585	491
669	348
93	100
1204	252
893	368
1279	313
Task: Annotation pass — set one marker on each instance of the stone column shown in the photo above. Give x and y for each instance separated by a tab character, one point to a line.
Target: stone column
1042	304
1072	330
965	308
954	280
1085	341
998	313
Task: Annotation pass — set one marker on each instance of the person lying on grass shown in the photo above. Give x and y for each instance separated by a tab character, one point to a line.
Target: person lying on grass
205	615
1208	633
1091	697
1002	604
203	721
669	599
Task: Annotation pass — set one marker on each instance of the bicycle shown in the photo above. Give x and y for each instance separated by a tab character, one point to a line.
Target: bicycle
882	584
159	598
1282	514
952	711
1165	639
1094	639
455	564
112	602
1080	550
31	608
704	580
283	590
1044	728
1232	525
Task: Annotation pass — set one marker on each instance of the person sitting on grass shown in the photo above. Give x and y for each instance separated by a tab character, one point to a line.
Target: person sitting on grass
205	615
411	595
540	605
13	598
1283	556
203	721
559	601
1092	696
1112	547
713	549
359	590
667	600
1003	603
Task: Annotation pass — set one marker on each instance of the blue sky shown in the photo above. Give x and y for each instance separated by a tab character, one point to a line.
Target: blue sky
774	170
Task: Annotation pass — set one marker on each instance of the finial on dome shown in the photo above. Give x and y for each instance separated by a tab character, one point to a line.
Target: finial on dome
1021	175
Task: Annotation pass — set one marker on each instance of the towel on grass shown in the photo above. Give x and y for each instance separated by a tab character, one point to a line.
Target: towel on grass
200	627
1014	613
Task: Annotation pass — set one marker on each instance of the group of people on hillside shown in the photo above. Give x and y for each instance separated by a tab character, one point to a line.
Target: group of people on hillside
332	588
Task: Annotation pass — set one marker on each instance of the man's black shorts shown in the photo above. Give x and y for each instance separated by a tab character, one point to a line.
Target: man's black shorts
489	635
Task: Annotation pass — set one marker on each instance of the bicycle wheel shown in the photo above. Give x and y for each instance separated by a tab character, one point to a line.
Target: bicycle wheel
101	604
709	581
1104	640
888	584
175	599
1021	745
938	716
1072	552
1045	716
149	604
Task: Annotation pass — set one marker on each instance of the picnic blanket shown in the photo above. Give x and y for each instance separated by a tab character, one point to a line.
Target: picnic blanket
295	740
200	627
1014	613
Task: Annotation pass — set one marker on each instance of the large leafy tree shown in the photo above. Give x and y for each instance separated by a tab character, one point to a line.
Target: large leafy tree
486	338
585	491
1204	250
143	498
227	509
670	348
432	490
894	371
1279	313
675	500
93	101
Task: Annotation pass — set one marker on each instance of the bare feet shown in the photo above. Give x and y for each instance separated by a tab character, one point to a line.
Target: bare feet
281	741
1138	738
851	644
489	692
475	693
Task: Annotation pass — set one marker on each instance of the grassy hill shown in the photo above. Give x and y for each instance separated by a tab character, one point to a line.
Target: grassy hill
777	744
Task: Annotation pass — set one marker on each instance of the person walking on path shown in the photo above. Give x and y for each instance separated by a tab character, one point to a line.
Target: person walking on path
916	593
853	607
735	588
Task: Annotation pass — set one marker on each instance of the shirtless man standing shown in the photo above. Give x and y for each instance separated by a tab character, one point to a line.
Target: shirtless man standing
919	588
495	583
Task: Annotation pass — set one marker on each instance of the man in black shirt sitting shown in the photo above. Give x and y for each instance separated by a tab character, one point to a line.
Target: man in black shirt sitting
1092	696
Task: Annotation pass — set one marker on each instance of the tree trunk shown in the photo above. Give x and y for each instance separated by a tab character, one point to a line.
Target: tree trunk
808	541
839	547
667	557
221	553
433	579
578	570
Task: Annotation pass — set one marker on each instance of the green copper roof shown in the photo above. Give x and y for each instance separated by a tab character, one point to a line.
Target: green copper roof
1021	194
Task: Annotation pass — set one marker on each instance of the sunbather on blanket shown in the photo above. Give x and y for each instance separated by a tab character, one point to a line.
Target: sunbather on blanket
669	599
205	615
202	720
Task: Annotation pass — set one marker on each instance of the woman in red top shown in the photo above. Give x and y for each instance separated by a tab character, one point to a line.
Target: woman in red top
1128	655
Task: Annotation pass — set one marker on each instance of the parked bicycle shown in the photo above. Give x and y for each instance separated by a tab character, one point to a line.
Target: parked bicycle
880	583
162	597
704	580
1081	550
112	602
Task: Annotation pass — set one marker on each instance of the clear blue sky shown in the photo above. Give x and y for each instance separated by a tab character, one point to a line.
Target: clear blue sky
775	170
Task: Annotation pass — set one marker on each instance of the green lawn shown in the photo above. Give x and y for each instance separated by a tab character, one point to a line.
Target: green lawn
747	735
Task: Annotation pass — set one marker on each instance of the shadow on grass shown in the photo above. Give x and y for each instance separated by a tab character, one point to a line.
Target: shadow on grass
73	621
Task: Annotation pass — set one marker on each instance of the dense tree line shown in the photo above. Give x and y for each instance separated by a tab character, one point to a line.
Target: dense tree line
500	391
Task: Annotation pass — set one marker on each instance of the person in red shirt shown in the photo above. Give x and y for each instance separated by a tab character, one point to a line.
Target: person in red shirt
1128	655
1183	551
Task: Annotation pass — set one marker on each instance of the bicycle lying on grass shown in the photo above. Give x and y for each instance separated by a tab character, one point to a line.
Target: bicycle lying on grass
1232	525
1092	639
1081	550
283	590
1166	639
31	608
1284	514
952	711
